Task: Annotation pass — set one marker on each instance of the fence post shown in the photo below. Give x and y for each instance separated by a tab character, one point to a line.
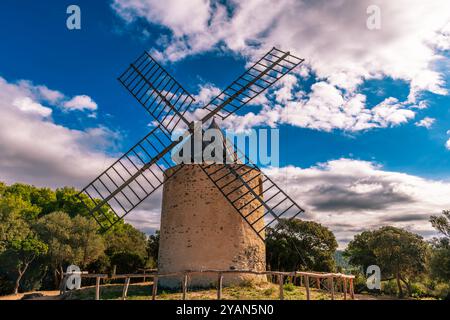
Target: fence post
307	286
97	288
332	287
219	286
155	287
184	285
125	288
345	288
281	282
318	283
352	289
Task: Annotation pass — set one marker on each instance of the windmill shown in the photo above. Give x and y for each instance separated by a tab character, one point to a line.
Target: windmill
239	190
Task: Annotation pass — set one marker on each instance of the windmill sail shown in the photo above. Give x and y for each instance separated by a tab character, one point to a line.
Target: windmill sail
157	91
264	73
232	179
141	170
130	179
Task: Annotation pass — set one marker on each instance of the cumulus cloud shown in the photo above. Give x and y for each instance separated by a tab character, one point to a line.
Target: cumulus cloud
350	195
27	105
340	51
426	122
38	151
332	36
326	108
81	102
35	149
447	144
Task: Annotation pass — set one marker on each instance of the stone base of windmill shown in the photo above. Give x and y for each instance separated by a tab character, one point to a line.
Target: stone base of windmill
200	230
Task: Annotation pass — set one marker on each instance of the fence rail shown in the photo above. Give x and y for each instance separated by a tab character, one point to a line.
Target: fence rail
331	282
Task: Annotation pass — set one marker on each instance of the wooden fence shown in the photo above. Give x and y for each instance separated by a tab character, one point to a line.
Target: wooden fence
331	282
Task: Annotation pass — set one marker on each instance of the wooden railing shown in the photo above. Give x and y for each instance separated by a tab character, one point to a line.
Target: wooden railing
331	282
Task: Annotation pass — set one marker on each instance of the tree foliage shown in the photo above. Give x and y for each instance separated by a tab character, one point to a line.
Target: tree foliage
440	259
399	253
300	245
20	254
58	219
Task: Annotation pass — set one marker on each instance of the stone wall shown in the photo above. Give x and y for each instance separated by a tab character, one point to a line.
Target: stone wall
201	230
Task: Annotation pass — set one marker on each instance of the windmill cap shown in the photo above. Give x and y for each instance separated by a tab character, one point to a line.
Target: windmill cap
214	125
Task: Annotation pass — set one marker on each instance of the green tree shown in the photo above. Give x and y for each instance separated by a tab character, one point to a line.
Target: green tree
125	244
300	245
70	241
87	244
399	253
14	214
359	252
21	253
440	259
153	249
55	230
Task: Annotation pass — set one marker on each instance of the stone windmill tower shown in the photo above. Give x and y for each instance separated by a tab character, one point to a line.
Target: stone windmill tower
214	214
201	230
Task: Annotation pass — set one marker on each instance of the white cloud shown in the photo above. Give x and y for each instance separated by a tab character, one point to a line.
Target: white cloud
27	105
447	144
327	108
349	196
36	150
206	93
41	92
333	37
81	102
426	122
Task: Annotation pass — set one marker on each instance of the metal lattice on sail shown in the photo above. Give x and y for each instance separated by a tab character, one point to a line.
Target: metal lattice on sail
130	179
231	179
264	73
142	170
157	91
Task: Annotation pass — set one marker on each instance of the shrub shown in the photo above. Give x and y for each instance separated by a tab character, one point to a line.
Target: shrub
389	287
289	287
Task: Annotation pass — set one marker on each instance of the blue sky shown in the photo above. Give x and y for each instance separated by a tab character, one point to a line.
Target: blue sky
201	49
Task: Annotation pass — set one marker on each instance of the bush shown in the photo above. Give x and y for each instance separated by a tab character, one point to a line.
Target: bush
418	290
360	283
289	287
389	287
442	291
269	291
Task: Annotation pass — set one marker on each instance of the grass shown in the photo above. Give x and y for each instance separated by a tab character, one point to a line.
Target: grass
265	291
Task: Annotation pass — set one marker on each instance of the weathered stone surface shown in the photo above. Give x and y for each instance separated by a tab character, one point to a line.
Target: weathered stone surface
201	230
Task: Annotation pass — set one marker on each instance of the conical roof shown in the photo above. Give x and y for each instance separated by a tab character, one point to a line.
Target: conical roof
228	153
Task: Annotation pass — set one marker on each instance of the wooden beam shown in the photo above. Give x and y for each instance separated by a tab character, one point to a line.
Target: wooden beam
281	284
352	289
97	288
345	288
184	285
318	283
219	286
331	280
307	287
125	288
155	287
